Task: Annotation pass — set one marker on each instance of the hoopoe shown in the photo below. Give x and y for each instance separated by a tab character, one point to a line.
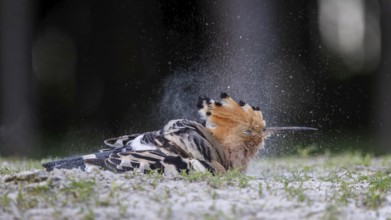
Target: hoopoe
231	135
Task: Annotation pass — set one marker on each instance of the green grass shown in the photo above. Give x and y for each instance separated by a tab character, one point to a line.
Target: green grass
79	190
332	212
296	192
11	165
230	178
379	186
335	182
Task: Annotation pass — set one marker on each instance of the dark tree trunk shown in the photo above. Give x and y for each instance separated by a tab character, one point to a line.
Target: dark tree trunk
383	84
16	108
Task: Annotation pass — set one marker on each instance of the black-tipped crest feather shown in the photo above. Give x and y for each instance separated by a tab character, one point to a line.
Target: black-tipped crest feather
200	102
224	95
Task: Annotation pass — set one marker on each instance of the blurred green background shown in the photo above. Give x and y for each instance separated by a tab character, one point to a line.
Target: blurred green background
74	72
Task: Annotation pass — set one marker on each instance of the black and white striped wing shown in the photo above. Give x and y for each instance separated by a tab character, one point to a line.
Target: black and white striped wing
180	146
194	139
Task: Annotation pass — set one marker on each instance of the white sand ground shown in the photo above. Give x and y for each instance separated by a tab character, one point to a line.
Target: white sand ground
342	187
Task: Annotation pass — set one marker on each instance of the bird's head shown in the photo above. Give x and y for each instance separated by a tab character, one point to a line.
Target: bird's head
236	126
239	128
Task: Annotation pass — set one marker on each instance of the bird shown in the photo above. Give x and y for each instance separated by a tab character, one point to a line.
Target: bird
229	136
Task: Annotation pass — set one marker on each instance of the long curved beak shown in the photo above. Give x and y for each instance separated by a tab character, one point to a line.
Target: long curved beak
276	129
273	130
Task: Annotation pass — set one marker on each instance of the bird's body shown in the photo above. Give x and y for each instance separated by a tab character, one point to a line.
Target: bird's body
182	145
230	137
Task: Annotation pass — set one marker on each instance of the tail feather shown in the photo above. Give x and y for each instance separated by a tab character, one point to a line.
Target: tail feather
67	163
80	162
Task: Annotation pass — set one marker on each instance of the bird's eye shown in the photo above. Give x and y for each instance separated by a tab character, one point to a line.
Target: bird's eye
247	132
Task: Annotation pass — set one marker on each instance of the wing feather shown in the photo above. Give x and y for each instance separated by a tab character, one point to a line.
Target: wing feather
182	145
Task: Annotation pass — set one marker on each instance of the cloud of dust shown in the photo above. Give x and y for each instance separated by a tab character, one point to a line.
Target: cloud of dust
246	62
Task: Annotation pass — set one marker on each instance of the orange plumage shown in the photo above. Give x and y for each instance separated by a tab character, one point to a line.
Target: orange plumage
237	127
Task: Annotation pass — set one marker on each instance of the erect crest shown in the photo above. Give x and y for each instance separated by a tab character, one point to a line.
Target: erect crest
228	114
